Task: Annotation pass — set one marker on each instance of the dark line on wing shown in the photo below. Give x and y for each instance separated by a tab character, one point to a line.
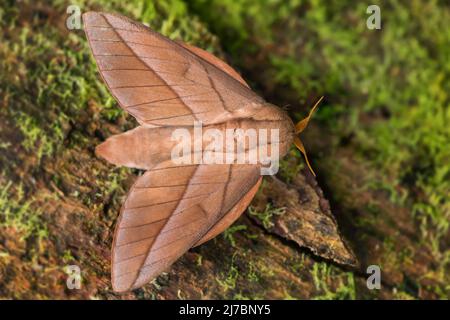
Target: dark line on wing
172	242
171	117
129	42
136	241
174	214
115	29
161	78
159	59
150	85
180	226
150	247
154	204
213	86
143	267
169	99
139	57
225	187
144	224
177	185
100	27
113	55
125	69
178	166
183	78
177	116
129	258
141	30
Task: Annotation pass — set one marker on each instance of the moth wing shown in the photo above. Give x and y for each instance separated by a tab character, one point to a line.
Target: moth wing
222	65
160	82
167	211
231	216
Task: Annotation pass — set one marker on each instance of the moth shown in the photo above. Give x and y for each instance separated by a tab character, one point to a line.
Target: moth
168	85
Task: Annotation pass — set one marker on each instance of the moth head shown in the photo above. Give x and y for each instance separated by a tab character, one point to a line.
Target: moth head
299	128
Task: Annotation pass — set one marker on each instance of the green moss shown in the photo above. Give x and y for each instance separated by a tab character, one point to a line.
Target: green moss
343	283
18	211
291	165
266	216
252	272
228	233
229	279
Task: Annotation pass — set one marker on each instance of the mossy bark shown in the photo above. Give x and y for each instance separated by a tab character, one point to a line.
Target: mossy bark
59	202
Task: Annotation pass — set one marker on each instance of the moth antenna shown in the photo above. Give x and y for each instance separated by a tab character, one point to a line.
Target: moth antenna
302	124
299	144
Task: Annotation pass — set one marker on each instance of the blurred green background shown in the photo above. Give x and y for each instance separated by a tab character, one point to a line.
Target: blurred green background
380	141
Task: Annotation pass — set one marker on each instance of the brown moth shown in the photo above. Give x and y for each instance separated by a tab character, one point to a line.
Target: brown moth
167	85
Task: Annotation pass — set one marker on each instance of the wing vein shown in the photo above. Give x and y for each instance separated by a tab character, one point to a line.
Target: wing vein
165	202
143	61
151	246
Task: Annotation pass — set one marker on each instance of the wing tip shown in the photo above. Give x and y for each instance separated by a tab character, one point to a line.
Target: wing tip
98	18
103	150
93	19
125	282
121	289
131	280
89	15
120	286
